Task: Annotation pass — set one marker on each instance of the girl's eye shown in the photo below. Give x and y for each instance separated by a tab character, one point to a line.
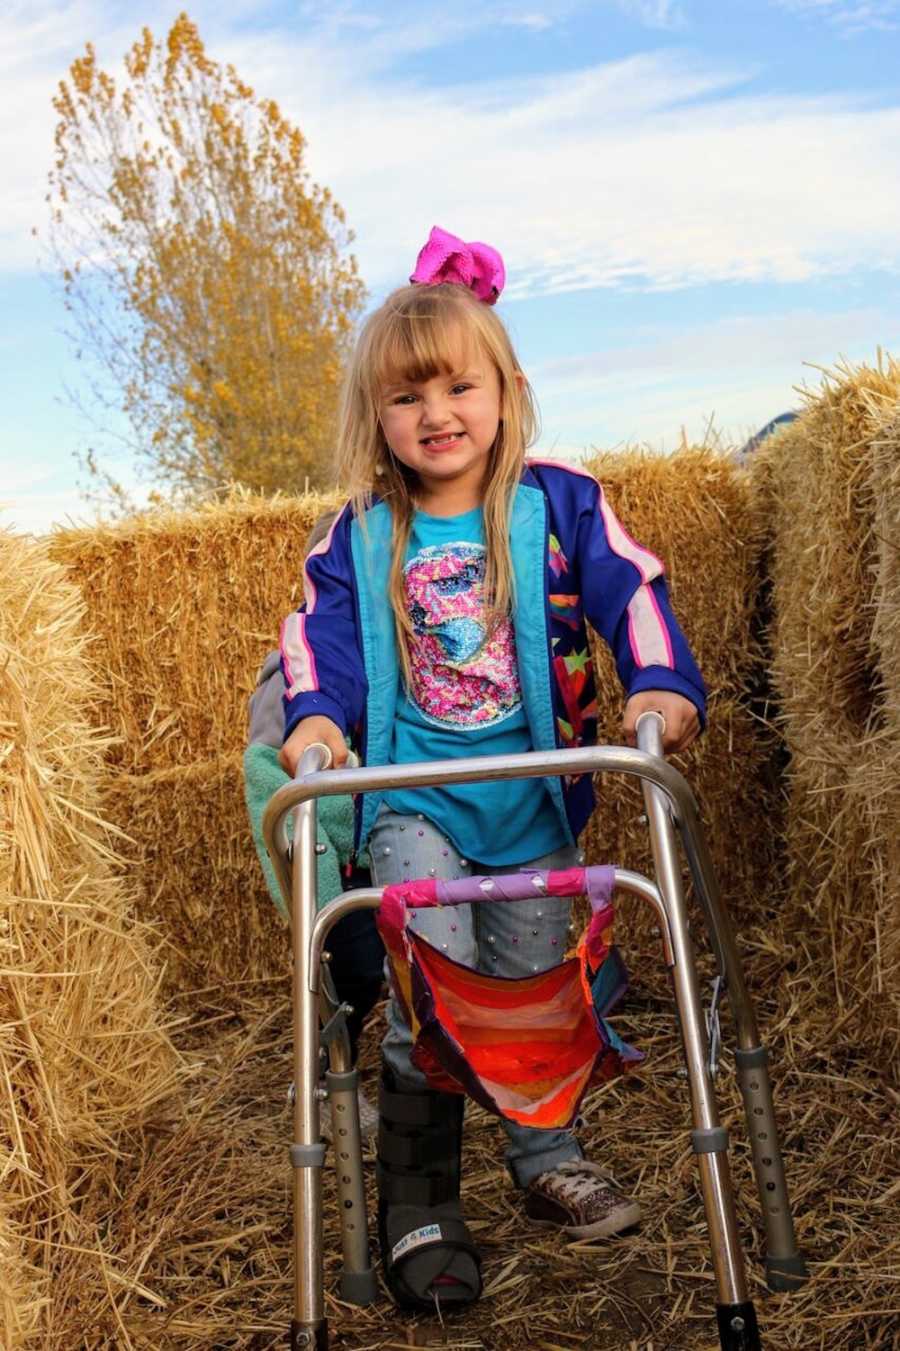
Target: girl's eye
460	389
404	400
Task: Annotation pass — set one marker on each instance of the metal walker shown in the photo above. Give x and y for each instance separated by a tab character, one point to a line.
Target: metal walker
318	1020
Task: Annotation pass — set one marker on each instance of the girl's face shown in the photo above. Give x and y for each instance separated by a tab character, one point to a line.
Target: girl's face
443	428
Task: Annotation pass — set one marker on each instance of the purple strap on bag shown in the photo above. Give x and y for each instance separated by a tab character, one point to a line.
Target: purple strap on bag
596	883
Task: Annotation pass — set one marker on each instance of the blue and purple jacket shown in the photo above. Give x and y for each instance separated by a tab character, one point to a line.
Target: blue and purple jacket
572	561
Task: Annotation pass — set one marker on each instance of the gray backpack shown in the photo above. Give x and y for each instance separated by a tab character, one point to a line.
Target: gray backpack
267	706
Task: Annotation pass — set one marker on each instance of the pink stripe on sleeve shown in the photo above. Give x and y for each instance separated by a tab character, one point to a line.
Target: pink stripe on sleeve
648	635
647	563
310	592
663	627
299	661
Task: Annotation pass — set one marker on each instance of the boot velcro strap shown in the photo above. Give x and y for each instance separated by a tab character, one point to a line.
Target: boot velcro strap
417	1151
439	1233
415	1189
415	1109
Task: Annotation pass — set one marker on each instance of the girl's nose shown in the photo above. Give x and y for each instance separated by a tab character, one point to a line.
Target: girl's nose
434	412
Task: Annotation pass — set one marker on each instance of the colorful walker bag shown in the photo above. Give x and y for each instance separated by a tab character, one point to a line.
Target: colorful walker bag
525	1048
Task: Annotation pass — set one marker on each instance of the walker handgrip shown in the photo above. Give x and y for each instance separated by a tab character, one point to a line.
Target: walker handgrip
316	757
649	730
323	759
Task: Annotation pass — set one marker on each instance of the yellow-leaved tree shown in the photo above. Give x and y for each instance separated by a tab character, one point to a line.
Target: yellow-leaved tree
203	270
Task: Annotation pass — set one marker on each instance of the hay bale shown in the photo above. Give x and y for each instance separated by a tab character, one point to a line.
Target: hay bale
698	511
185	606
885	484
83	1048
192	855
817	483
884	479
23	1286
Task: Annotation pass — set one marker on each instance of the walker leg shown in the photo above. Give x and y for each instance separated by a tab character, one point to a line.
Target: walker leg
358	1283
738	1330
736	1316
785	1267
308	1336
309	1328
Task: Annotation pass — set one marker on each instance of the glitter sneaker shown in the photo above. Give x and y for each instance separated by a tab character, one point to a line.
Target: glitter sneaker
581	1200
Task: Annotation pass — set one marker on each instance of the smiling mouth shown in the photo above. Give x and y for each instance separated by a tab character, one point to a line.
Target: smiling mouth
444	442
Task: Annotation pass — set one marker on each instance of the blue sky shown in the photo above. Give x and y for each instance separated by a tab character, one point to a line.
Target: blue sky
697	202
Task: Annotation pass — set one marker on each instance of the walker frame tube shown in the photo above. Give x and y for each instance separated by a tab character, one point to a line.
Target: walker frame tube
669	802
736	1315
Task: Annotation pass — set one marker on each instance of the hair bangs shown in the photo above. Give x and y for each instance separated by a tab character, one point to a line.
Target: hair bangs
420	334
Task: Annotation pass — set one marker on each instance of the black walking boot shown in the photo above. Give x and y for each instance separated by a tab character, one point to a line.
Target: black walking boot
427	1252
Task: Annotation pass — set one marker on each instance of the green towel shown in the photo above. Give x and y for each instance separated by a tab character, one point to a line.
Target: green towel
263	776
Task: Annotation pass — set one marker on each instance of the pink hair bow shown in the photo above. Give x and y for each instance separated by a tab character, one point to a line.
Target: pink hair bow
444	258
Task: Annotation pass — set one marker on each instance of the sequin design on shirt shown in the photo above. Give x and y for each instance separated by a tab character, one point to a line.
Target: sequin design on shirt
460	678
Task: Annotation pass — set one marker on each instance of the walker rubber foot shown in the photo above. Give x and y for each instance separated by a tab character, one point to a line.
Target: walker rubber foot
359	1287
738	1329
786	1273
309	1336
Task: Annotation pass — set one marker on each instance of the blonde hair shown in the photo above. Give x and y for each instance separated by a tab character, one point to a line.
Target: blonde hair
416	334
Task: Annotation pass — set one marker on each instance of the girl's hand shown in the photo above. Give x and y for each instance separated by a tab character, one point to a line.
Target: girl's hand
681	717
307	732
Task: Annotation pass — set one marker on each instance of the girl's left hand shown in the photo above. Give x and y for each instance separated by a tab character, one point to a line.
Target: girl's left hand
681	717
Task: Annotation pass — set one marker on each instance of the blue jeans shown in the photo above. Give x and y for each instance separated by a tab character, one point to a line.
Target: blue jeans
496	937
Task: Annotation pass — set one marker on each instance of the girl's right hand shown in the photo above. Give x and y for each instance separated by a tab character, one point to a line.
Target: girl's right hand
307	732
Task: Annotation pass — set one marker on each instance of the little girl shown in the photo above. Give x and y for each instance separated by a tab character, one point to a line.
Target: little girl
445	616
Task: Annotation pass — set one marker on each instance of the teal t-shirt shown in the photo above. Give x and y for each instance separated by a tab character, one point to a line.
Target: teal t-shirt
465	699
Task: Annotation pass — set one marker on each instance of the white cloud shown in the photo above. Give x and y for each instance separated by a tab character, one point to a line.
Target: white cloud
37	43
663	14
535	21
654	13
35	498
730	344
739	372
37	513
851	16
657	171
616	176
23	478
